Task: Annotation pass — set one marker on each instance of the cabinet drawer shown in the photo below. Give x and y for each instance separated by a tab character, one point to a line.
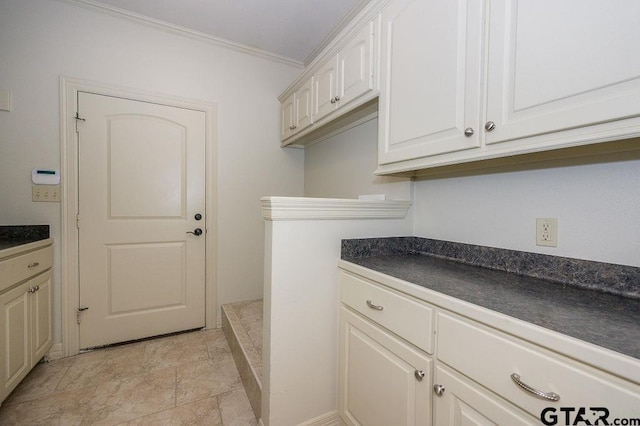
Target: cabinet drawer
409	318
490	358
19	268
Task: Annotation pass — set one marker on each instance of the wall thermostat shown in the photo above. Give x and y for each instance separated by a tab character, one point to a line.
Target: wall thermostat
45	177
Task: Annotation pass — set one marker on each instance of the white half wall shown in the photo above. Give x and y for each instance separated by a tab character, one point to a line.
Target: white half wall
301	304
40	40
597	207
343	165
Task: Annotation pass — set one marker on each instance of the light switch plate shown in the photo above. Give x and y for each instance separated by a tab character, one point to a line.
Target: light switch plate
45	193
5	100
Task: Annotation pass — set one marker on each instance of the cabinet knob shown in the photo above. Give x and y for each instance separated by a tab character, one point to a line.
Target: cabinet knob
438	389
489	126
468	132
33	265
419	375
337	98
31	290
333	100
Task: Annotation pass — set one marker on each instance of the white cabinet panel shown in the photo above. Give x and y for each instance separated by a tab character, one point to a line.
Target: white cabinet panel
15	361
355	66
430	78
378	384
464	403
554	66
303	106
287	115
324	89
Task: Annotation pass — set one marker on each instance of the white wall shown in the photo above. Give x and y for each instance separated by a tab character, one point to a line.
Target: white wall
43	39
597	207
343	166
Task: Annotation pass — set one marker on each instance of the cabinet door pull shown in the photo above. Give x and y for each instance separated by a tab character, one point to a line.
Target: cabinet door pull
438	389
468	132
551	396
372	306
419	375
33	265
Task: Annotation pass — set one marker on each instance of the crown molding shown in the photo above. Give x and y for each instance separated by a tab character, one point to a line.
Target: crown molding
305	208
183	31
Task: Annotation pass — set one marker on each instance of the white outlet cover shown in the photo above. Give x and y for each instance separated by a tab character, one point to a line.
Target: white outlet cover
547	231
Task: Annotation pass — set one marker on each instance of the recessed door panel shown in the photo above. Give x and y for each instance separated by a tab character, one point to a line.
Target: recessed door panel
146	277
139	188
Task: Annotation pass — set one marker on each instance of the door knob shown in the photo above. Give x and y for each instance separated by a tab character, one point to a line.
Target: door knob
197	232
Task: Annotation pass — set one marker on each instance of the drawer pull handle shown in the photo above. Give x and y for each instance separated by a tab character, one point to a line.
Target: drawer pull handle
33	265
372	306
551	396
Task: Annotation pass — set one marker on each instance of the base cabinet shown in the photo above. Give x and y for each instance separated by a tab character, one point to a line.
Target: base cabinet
383	380
478	373
26	326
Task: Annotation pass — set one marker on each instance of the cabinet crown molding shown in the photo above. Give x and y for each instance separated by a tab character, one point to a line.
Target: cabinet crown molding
305	208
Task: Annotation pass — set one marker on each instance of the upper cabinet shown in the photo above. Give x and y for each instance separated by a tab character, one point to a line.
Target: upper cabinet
460	81
295	111
341	82
559	65
430	87
464	80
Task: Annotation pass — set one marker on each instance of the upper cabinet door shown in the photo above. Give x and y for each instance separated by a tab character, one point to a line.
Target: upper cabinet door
355	66
324	89
430	87
558	65
287	117
304	103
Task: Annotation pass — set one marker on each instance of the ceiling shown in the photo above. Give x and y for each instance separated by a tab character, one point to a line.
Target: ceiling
288	28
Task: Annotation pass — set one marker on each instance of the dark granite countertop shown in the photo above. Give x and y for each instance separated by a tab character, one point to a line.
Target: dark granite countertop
17	235
608	320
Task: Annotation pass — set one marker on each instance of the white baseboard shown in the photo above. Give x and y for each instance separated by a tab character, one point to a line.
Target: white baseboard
328	419
55	352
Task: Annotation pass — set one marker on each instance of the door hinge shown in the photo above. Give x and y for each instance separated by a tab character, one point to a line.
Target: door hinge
78	221
79	311
78	119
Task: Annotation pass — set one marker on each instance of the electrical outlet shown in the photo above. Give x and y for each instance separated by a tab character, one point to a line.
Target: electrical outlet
547	232
45	193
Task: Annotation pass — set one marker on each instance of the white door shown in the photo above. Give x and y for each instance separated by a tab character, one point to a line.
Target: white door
141	170
431	54
303	107
287	119
560	65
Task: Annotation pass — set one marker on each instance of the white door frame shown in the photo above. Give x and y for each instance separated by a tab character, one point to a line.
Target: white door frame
69	88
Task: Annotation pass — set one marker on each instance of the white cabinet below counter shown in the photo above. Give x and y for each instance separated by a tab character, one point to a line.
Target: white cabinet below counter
26	312
484	367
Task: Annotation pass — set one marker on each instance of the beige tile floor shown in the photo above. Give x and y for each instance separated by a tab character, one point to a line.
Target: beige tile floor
186	379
